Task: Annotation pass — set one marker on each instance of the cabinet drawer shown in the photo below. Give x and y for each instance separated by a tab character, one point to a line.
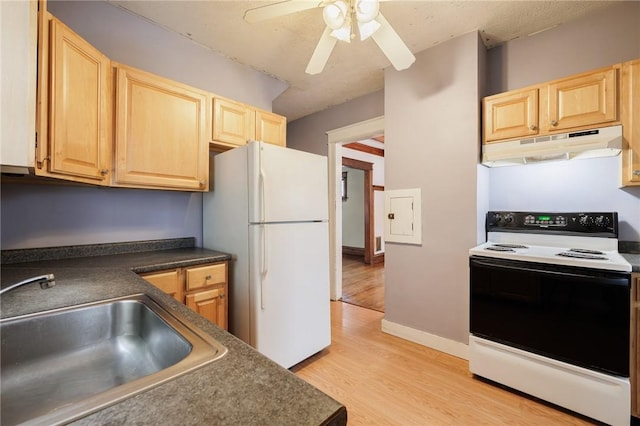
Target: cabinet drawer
206	276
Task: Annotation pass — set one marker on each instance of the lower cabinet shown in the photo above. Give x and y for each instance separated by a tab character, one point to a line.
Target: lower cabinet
635	342
202	288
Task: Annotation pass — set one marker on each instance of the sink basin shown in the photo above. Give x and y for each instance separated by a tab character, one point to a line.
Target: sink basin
60	365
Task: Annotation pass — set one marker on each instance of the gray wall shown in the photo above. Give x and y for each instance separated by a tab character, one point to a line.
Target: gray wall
431	142
310	133
56	215
595	41
353	209
51	215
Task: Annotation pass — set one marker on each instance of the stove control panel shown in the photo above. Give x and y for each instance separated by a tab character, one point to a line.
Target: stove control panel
599	223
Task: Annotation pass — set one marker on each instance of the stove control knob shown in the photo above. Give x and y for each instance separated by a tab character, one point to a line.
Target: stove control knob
508	218
586	221
602	221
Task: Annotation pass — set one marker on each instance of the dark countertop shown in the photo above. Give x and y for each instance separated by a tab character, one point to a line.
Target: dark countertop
630	250
242	388
633	259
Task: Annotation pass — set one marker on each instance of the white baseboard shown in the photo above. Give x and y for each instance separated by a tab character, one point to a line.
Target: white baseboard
429	340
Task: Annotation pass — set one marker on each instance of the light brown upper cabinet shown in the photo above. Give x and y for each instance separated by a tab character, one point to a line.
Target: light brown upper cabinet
511	115
235	123
573	103
631	123
161	129
271	128
73	114
588	99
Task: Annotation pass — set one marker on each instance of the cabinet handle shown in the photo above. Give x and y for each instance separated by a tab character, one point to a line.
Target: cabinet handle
636	172
533	127
222	296
207	278
554	123
202	184
104	172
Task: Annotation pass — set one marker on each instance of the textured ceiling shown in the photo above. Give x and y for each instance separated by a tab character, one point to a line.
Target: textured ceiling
281	47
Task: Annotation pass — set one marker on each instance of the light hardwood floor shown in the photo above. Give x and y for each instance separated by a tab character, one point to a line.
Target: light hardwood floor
362	284
385	380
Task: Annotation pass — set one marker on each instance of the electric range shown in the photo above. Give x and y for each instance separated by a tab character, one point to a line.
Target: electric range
550	310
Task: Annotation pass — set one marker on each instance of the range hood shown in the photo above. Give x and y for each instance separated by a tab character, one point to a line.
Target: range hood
602	142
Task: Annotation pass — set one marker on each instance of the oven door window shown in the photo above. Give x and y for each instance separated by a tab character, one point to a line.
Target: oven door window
576	315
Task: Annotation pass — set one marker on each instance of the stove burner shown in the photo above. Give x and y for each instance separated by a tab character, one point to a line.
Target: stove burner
515	246
585	251
580	255
499	248
505	247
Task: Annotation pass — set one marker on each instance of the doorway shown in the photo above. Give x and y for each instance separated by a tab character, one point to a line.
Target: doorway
336	139
362	268
360	254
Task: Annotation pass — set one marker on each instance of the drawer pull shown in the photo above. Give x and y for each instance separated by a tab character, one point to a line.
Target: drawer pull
207	278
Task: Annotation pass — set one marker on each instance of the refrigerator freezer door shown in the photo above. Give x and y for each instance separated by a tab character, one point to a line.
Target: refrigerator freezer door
286	185
289	286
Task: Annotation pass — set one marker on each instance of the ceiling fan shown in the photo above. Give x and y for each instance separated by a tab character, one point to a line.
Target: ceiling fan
341	18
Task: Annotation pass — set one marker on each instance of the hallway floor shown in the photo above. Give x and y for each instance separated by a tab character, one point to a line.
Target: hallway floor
362	284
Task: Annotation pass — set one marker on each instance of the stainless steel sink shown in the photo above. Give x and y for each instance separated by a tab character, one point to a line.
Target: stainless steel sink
63	364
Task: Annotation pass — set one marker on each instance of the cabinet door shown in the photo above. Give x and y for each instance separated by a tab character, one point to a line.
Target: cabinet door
79	116
511	115
631	122
233	122
161	132
168	281
271	128
586	100
205	276
211	304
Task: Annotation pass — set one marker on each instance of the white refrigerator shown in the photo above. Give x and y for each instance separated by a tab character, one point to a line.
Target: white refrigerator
268	208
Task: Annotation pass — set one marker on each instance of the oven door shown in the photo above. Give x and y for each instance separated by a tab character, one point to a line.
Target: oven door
575	315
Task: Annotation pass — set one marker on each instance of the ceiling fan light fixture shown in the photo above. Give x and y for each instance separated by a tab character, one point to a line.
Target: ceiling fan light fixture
367	29
336	14
366	10
343	33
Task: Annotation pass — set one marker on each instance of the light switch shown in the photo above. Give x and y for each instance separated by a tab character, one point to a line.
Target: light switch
403	217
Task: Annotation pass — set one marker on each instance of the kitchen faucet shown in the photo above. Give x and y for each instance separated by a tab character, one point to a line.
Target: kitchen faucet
46	281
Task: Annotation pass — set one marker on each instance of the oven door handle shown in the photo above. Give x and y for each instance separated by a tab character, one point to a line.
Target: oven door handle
603	277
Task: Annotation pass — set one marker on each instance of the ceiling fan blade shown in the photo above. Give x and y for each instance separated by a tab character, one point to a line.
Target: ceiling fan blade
281	8
392	45
322	52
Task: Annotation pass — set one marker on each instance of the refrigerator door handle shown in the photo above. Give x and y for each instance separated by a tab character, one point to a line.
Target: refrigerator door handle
262	201
264	267
261	177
